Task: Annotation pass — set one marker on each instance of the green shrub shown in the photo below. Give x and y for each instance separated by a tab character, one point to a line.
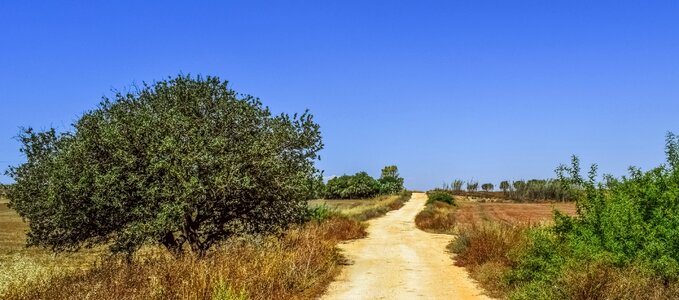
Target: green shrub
621	245
460	243
632	220
319	213
361	185
223	291
440	197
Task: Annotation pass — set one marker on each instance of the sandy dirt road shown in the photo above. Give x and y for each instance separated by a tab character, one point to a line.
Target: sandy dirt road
399	261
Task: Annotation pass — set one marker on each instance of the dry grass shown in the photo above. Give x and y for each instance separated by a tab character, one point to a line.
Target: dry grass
470	213
604	281
23	266
484	249
438	217
298	265
365	209
488	252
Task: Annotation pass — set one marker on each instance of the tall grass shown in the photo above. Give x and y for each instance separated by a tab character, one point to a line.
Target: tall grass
380	206
297	265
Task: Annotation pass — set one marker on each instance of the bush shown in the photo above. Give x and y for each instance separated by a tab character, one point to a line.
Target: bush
361	185
390	181
440	197
358	186
185	163
632	220
436	217
621	245
4	190
319	213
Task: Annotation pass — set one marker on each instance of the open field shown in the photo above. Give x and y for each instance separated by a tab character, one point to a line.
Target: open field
510	213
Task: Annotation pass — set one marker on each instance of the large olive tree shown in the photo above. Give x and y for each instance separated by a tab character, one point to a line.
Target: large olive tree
184	162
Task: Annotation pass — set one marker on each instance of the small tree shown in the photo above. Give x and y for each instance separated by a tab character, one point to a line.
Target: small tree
504	186
487	187
472	186
457	185
185	161
518	185
390	181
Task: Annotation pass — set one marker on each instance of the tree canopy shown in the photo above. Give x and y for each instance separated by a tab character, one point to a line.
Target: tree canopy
183	161
362	185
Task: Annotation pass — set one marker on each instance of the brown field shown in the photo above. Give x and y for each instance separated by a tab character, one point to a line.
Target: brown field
510	213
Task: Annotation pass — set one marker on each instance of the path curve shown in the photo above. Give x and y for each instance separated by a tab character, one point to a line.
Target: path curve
399	261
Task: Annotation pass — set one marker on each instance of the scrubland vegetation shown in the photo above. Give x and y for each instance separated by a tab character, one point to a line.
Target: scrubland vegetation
296	264
439	214
437	217
622	244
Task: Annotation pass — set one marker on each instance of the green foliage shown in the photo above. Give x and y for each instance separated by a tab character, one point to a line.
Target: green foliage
472	186
223	291
519	184
541	189
184	161
460	243
634	219
390	181
504	186
319	213
487	187
362	185
440	197
630	223
539	258
457	185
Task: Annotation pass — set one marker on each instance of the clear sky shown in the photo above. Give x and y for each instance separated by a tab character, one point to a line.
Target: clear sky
488	90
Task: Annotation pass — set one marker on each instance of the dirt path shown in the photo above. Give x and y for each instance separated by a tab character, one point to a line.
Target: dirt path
399	261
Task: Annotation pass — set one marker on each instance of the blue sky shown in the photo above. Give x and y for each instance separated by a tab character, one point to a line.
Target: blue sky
444	89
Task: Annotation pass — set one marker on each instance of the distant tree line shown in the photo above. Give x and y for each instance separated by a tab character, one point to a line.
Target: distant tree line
520	190
362	185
